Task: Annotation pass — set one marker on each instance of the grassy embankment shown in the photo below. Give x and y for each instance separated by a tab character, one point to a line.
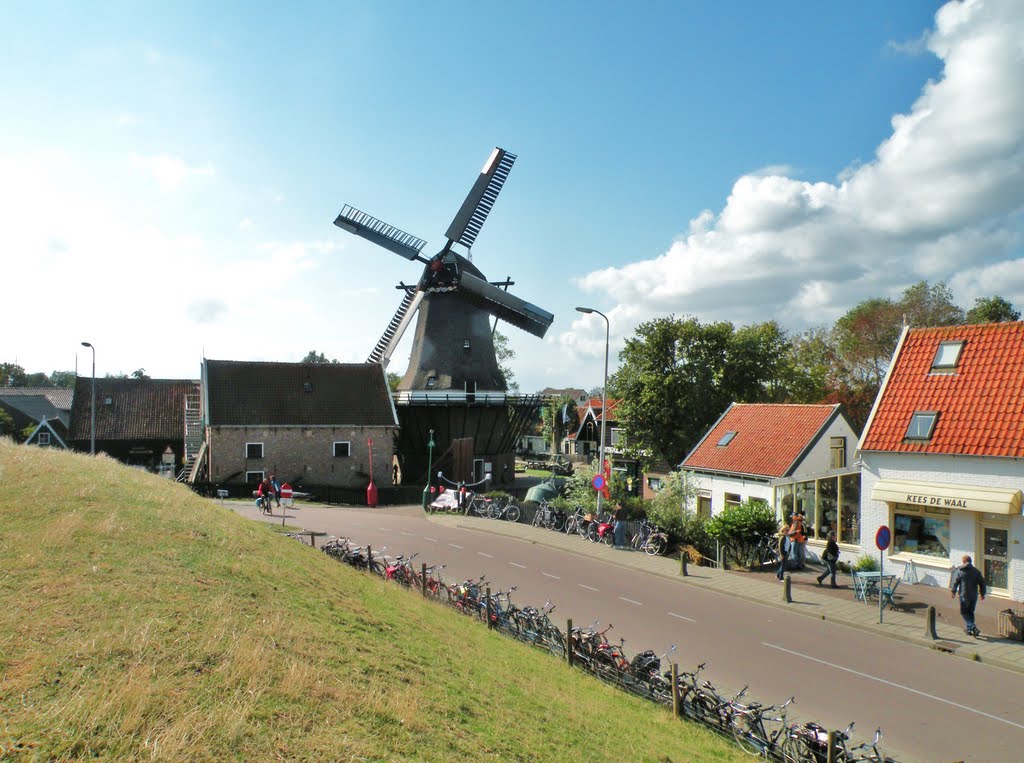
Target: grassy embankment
139	621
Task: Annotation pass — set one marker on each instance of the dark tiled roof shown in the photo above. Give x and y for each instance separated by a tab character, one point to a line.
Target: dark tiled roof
243	393
139	409
35	407
769	438
59	397
980	404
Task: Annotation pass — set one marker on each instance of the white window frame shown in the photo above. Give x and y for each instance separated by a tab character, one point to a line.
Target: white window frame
726	438
43	438
947	356
348	449
837	452
253	458
736	499
919	417
256	481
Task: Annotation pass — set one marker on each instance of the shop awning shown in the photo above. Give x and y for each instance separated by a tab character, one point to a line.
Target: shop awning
990	500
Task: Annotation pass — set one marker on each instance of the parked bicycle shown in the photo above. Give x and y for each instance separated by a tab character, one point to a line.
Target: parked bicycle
757	732
549	517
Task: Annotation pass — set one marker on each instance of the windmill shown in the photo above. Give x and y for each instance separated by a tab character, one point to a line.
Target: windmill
453	349
453	384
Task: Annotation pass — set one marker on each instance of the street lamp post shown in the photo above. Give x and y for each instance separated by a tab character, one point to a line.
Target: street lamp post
92	430
430	470
604	392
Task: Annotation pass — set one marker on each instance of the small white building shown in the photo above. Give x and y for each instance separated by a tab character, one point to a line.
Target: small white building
786	455
943	455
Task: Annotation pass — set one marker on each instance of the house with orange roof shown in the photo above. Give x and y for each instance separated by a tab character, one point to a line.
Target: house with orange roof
943	455
793	457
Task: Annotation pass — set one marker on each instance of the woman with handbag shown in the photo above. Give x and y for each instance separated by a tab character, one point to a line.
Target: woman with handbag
830	557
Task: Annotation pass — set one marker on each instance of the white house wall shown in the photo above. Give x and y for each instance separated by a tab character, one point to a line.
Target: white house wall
718	485
951	470
819	458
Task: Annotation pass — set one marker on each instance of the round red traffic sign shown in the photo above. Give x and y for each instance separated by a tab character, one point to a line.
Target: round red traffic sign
882	538
598	482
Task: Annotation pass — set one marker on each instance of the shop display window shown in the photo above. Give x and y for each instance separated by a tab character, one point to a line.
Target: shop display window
919	532
849	527
806	504
828	507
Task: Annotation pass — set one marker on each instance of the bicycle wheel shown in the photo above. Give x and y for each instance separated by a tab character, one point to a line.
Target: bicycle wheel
557	523
654	546
796	750
746	730
609	538
512	515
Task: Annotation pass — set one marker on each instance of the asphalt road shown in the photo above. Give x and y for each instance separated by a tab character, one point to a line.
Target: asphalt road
932	707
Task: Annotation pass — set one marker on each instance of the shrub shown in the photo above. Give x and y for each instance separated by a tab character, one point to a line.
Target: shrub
865	563
739	528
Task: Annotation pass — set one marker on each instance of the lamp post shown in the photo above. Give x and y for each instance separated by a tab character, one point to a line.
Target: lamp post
430	469
604	392
92	430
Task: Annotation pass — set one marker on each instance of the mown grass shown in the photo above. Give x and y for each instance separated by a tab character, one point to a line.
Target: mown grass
139	621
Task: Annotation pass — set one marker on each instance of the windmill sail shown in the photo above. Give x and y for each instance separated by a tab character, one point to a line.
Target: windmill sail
471	216
379	232
508	307
393	333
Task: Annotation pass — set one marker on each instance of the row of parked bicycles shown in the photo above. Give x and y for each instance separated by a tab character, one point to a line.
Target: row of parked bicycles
760	730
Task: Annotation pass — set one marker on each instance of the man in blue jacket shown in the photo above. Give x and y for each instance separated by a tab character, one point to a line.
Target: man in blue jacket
971	584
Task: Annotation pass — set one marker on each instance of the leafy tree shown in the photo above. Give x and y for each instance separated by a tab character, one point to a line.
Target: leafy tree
812	366
63	379
866	337
677	377
313	357
925	305
6	424
393	381
140	373
505	355
992	309
12	375
739	528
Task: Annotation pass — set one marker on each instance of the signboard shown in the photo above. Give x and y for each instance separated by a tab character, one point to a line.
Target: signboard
598	482
882	538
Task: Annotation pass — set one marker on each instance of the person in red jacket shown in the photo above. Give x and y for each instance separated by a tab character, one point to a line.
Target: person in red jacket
265	493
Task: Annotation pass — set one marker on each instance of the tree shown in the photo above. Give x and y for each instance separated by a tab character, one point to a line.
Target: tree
740	528
140	373
925	305
678	376
6	424
866	338
313	357
557	416
63	379
505	355
992	309
393	381
12	375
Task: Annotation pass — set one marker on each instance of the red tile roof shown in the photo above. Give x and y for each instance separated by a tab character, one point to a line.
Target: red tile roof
980	405
769	440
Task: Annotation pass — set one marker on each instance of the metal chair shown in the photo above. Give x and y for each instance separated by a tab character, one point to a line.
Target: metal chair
887	593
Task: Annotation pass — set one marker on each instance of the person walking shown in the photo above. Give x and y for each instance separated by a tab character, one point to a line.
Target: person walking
782	538
276	486
970	584
798	537
831	558
619	526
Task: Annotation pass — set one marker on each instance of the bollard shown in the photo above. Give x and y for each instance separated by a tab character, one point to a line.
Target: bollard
787	589
568	641
831	754
487	593
677	701
369	558
929	624
682	564
423	577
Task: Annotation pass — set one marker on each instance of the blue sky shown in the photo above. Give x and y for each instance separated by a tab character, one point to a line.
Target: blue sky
169	172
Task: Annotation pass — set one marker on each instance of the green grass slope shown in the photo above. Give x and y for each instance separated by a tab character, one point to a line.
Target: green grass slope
139	621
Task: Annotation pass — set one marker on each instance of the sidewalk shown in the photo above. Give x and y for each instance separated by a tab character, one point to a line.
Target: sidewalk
906	624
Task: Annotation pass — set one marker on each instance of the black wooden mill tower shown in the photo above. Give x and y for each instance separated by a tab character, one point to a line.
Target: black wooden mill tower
453	384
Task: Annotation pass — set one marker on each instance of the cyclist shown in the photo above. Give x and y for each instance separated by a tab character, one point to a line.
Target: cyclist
265	493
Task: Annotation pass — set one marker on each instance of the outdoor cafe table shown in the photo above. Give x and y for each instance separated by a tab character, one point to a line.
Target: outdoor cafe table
867	583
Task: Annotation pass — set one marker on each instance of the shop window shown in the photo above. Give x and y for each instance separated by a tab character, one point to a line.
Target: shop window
784	500
253	478
805	503
254	450
726	439
919	531
837	449
849	515
922	424
732	499
946	357
827	516
342	449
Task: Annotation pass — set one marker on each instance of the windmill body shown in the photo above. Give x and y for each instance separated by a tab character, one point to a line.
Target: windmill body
453	384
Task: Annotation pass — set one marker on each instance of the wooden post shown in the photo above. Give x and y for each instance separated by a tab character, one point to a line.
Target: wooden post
787	589
831	754
677	704
369	558
490	623
568	641
682	564
423	578
929	623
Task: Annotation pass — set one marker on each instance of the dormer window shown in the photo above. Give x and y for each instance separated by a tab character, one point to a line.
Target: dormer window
431	381
726	439
307	387
922	425
465	344
947	356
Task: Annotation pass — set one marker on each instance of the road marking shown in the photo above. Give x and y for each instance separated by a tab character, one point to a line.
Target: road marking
406	532
894	684
682	617
632	601
549	575
432	540
517	564
455	545
384	529
588	587
489	556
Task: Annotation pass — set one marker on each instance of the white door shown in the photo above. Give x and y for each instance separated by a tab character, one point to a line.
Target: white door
995	560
